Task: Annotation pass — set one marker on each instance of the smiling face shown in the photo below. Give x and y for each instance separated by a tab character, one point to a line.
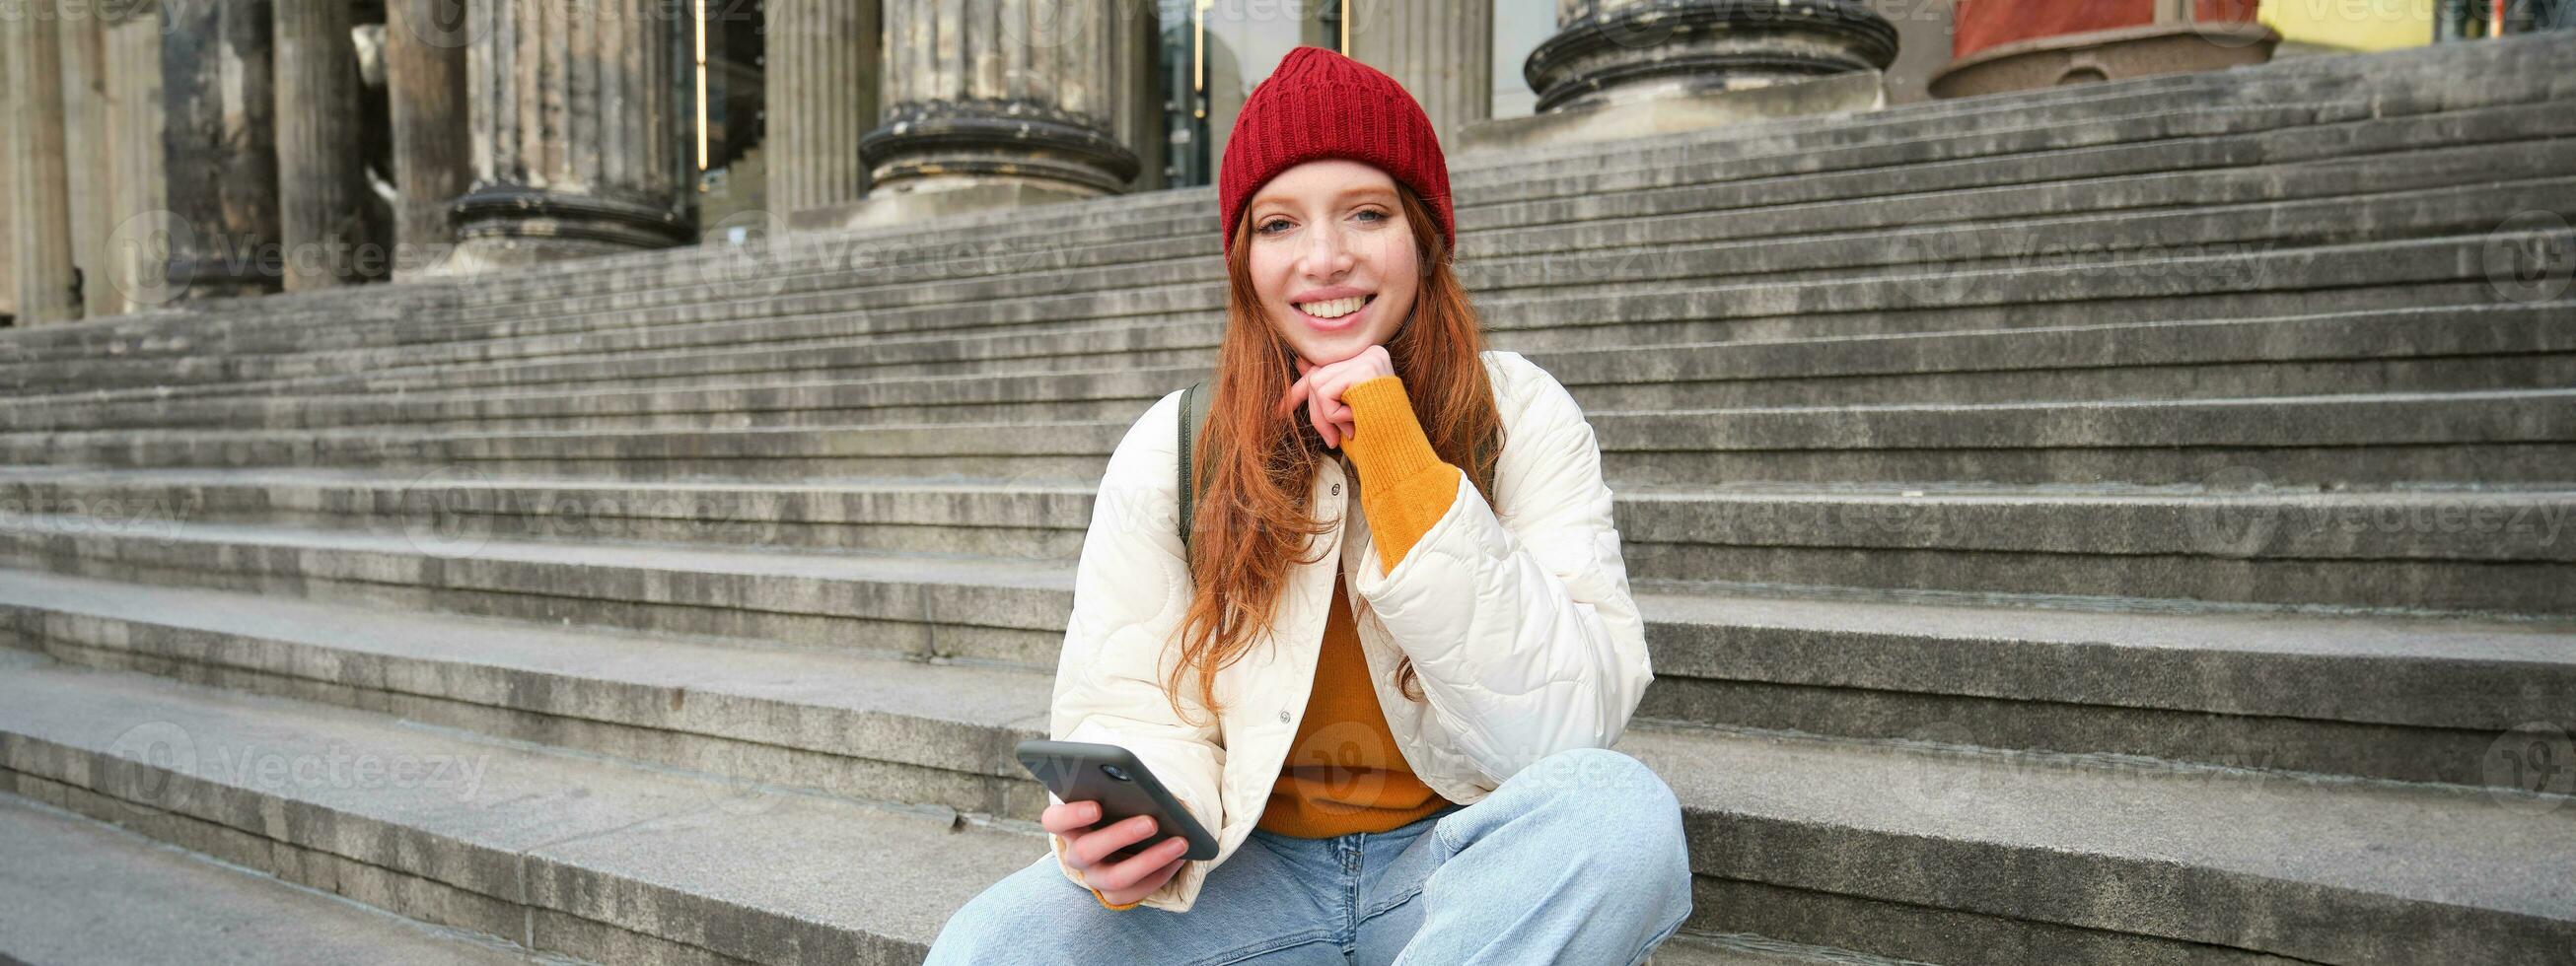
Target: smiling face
1332	257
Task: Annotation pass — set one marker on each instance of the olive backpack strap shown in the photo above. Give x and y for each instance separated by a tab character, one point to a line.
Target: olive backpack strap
1188	489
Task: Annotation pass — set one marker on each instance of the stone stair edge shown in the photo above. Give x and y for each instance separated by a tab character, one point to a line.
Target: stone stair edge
2453	865
1812	356
2174	272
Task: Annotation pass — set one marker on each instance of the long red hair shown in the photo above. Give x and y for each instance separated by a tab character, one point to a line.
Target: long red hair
1250	523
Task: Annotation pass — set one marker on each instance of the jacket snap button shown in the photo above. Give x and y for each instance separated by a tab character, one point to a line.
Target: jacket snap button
1283	717
1337	489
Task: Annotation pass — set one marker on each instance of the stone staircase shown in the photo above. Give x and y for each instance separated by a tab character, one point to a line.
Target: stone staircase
2133	523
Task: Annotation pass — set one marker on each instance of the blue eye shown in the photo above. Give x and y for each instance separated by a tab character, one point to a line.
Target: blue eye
1264	227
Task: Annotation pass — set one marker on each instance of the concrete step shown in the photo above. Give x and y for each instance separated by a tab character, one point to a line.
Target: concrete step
71	870
1720	209
258	917
1749	950
921	606
864	727
575	855
2370	276
2361	439
2418	350
1763	150
2467	550
2041	859
1169	344
1036	521
2520	437
1802	840
81	892
2063	230
1663	249
2165	679
2410	699
2411	74
2408	82
2240	541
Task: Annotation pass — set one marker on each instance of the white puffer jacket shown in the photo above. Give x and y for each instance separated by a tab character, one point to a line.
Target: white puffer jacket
1521	628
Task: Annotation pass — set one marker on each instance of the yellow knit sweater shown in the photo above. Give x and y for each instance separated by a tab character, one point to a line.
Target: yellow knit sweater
1344	773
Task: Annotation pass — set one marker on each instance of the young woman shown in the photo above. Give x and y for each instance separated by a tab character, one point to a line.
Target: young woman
1386	671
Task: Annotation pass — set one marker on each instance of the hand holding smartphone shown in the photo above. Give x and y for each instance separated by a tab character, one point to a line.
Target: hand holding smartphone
1123	830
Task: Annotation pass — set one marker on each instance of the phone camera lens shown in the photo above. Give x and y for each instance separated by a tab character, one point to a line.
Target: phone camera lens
1115	772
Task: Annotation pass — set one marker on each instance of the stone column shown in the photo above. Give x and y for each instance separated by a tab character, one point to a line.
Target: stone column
220	144
425	71
319	170
1624	51
135	254
995	104
40	186
1440	50
574	148
8	193
86	151
1139	122
821	89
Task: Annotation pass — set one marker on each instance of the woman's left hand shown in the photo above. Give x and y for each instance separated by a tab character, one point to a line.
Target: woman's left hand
1320	388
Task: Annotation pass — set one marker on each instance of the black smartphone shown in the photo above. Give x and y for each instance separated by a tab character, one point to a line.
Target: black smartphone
1087	771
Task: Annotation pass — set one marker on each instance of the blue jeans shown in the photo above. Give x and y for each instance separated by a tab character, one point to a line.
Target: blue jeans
1579	858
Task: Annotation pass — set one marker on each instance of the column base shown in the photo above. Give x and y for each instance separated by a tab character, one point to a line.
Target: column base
934	144
895	206
1840	94
2105	55
504	226
1660	48
217	277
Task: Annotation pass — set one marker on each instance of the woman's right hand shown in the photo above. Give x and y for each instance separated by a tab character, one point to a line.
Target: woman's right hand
1118	882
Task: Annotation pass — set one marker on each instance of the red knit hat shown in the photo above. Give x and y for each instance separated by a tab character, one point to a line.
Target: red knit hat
1321	104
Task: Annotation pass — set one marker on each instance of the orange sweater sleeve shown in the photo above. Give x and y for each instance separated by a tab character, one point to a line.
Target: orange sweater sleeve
1058	842
1407	488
